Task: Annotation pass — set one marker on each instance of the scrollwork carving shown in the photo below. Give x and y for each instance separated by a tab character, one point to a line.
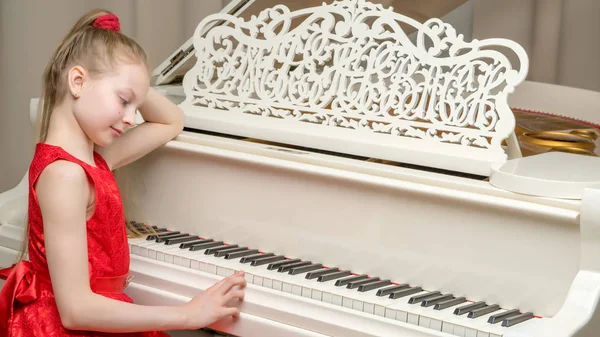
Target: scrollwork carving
350	65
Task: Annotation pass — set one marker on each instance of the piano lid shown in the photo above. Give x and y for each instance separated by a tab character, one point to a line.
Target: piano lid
354	77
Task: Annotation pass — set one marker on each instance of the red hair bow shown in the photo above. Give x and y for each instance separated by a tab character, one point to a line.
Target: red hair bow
107	21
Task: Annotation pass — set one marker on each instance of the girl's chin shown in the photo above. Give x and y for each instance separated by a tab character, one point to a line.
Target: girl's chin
104	141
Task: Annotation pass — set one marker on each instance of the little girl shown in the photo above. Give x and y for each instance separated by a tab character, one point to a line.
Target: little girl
78	264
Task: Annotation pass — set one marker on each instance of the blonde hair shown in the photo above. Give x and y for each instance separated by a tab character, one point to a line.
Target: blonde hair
97	50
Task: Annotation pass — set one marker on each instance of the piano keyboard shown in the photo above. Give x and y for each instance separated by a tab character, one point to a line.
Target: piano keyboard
310	279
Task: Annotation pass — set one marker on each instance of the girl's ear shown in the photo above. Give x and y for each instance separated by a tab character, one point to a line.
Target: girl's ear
75	78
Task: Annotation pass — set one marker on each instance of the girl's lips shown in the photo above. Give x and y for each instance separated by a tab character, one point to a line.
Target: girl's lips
118	132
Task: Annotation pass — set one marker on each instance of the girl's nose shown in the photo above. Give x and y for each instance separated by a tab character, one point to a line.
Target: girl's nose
129	117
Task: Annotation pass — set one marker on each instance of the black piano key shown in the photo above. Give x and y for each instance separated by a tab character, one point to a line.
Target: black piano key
227	249
336	275
502	316
278	264
517	319
267	260
315	274
247	259
213	250
224	252
389	290
164	238
345	281
237	255
483	311
421	298
305	269
357	284
471	306
154	237
374	285
173	241
432	301
288	267
449	303
188	244
206	245
405	292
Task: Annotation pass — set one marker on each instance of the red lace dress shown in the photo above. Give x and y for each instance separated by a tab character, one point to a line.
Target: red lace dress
27	304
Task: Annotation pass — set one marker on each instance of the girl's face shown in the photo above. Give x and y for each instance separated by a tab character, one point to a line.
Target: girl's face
106	104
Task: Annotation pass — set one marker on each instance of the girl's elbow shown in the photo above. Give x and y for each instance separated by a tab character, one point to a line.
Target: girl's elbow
69	320
178	123
180	120
72	316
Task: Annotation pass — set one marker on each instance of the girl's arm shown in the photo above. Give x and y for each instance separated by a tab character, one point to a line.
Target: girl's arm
63	192
163	122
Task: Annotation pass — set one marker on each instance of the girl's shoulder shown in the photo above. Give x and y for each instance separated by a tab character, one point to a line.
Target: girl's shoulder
59	162
46	153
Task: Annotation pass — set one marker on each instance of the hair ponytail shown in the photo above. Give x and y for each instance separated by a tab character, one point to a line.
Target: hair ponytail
94	47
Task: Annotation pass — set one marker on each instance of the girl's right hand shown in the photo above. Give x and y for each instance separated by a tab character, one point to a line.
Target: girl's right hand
217	302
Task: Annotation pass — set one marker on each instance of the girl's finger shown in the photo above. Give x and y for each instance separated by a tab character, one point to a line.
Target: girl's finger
239	294
230	312
230	282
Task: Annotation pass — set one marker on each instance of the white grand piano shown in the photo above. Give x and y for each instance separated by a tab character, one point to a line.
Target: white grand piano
363	169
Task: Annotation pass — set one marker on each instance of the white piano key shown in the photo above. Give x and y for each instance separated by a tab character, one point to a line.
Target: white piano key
306	292
368	307
224	271
277	285
317	295
286	287
459	330
412	318
447	327
469	332
249	278
424	321
402	316
358	305
435	324
288	284
297	290
336	299
347	302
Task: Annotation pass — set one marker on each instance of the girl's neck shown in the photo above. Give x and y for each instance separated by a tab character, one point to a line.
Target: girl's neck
64	131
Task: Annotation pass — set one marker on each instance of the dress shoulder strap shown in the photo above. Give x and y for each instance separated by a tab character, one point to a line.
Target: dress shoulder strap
45	154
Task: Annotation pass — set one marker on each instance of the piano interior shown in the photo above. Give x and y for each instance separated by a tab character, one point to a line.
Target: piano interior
343	236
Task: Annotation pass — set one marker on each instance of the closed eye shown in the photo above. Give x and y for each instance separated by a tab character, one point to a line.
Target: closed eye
124	102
